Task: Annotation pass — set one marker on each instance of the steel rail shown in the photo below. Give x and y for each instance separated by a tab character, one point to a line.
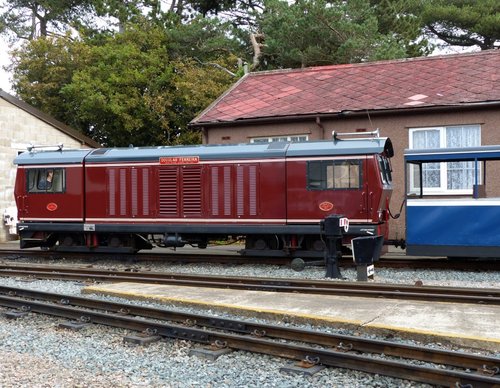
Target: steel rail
326	357
322	287
388	261
340	341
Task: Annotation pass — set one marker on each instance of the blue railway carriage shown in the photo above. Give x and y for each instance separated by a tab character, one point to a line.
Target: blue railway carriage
465	225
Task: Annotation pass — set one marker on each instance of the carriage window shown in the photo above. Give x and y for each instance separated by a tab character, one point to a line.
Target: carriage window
43	180
334	175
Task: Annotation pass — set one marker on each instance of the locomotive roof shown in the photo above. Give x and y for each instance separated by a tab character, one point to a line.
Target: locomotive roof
212	152
52	157
453	154
246	151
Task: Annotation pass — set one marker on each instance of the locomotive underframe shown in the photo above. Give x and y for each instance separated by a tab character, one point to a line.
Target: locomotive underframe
277	240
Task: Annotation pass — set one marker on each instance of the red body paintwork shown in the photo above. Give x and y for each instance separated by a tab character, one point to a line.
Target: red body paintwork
66	206
217	203
198	198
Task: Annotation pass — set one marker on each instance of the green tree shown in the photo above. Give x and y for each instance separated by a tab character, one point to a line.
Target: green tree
402	19
41	67
29	19
134	87
117	96
319	32
463	22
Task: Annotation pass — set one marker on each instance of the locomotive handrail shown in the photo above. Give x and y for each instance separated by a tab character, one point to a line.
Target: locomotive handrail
32	147
375	133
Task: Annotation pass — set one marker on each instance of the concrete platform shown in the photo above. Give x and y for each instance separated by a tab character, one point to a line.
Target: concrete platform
469	325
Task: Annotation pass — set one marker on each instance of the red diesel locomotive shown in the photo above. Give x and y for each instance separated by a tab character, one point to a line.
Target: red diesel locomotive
273	194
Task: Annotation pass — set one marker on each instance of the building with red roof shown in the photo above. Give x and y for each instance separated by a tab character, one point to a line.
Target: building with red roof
428	102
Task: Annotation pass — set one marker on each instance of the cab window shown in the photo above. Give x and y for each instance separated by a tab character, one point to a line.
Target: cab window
334	175
385	170
46	180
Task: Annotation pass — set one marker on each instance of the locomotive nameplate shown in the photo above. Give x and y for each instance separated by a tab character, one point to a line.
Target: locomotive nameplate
180	160
89	227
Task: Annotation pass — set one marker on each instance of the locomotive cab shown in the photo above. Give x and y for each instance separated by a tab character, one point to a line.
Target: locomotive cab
351	177
49	186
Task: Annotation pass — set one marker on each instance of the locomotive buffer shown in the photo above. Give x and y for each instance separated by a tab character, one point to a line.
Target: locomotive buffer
333	228
365	250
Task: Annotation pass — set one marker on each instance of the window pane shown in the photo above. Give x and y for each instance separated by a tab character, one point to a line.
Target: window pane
428	138
463	136
431	175
323	175
431	171
314	176
42	180
346	175
460	175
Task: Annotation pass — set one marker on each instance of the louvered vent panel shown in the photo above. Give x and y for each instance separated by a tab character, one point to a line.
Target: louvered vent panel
145	192
191	191
169	200
252	190
215	190
227	191
133	190
123	192
240	198
112	191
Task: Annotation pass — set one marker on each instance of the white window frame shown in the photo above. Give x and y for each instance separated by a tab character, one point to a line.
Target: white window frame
271	139
443	189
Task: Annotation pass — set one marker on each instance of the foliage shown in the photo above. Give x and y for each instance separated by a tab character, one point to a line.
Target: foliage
29	19
121	89
42	67
463	22
401	18
319	32
205	39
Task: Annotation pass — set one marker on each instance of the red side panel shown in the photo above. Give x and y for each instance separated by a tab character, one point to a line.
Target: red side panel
66	206
119	192
203	193
312	206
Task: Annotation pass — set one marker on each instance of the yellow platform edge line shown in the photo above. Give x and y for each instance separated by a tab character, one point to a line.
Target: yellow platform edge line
155	297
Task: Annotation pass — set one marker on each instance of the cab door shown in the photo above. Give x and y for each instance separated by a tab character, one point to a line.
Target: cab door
319	187
52	193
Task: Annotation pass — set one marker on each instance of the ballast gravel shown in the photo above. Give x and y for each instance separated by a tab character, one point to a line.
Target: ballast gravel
34	352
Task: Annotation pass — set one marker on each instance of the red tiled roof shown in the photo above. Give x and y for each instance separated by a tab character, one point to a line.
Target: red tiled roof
398	84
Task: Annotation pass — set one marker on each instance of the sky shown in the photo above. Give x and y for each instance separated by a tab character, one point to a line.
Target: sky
4	60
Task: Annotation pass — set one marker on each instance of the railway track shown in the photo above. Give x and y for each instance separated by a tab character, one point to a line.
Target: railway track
388	261
323	287
306	346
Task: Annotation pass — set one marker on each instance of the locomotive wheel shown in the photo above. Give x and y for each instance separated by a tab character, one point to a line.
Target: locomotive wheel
115	242
67	241
263	243
260	244
316	245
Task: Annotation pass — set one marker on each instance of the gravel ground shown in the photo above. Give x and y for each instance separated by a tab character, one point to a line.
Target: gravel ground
34	352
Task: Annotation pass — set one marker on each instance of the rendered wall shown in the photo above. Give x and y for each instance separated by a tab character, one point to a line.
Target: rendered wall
17	130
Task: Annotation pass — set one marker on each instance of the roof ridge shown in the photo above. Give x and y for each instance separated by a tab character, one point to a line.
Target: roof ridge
376	63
